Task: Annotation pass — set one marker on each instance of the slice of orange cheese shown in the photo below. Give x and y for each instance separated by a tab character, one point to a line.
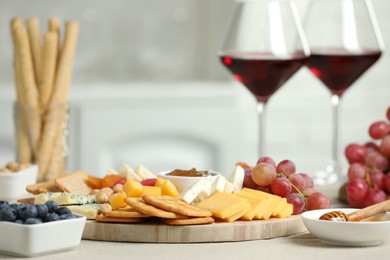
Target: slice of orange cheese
132	188
223	205
255	202
236	216
117	200
168	188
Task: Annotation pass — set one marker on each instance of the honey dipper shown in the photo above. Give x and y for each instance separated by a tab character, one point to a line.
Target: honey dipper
358	215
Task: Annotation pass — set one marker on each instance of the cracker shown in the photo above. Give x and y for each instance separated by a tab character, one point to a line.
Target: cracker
102	218
47	186
75	182
172	204
126	214
150	210
188	221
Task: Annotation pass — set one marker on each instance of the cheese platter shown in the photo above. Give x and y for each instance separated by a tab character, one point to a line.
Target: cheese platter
152	232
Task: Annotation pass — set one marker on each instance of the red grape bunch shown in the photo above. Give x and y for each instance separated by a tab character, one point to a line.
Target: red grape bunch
368	172
283	180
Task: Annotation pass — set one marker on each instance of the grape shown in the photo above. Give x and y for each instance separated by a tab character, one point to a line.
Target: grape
308	191
267	159
264	189
379	129
357	189
356	171
384	146
371	147
248	181
286	167
388	113
298	202
386	182
281	186
356	153
308	180
377	179
263	174
298	181
374	196
318	200
377	160
355	203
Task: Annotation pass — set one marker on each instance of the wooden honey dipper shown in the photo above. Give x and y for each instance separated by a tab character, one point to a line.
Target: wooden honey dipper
358	215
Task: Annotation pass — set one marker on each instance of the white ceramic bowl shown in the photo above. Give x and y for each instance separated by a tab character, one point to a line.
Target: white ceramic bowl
363	233
183	182
40	239
13	185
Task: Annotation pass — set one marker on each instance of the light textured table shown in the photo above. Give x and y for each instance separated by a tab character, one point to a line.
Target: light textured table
300	246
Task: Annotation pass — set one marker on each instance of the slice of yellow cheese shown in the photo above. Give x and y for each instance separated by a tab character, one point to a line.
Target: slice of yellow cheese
151	190
223	205
286	211
256	203
236	216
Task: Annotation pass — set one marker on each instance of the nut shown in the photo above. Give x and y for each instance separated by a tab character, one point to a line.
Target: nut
12	166
118	188
105	208
107	190
94	192
102	197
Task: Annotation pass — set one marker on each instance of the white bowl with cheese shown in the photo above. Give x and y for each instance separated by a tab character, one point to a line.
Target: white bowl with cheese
41	239
13	184
183	182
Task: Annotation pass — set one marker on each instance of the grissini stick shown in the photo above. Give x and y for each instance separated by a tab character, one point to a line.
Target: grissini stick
34	33
53	129
30	91
358	215
48	70
23	150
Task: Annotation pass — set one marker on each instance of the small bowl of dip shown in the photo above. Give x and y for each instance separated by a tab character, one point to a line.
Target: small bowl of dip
183	179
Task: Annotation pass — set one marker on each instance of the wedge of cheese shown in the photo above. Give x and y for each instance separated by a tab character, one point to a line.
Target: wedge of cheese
218	184
64	198
236	216
196	192
223	205
237	177
128	173
90	211
144	173
286	211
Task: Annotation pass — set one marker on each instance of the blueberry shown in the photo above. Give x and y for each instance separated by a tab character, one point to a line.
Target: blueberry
42	210
8	214
19	221
3	204
63	210
31	221
67	216
51	217
16	206
27	211
52	206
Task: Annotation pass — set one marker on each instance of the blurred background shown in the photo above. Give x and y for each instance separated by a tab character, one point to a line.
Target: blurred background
148	88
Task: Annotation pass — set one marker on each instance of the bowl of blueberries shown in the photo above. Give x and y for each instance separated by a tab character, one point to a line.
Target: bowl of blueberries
29	230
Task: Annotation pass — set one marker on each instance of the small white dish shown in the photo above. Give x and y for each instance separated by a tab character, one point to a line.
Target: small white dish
13	185
369	232
41	239
183	182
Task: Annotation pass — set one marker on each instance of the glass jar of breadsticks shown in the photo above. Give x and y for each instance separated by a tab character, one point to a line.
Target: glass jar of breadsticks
43	69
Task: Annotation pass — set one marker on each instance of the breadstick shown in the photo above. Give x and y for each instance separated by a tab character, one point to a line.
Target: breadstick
34	33
54	27
49	61
23	151
59	98
29	86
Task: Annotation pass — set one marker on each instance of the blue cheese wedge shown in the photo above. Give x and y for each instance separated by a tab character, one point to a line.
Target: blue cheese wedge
64	198
90	211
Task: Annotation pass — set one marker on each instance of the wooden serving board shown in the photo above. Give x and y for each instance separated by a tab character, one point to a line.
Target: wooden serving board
216	232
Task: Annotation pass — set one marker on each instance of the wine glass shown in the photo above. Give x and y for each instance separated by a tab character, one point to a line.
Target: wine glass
344	42
264	46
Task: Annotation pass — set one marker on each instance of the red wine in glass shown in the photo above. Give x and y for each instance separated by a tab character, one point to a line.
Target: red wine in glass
338	69
263	75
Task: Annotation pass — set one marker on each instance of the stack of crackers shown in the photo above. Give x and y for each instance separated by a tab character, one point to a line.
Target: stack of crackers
165	209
